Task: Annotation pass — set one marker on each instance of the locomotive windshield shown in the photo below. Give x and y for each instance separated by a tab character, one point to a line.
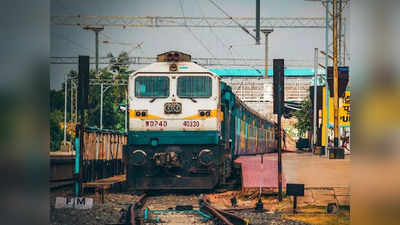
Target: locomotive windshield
194	87
150	87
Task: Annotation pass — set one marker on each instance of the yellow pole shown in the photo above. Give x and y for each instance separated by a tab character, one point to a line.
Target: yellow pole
335	77
324	118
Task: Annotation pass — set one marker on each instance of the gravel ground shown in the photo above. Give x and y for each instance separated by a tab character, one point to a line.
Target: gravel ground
109	212
180	218
100	214
266	218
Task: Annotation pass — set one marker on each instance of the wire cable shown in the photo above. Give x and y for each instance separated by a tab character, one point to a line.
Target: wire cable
190	30
231	18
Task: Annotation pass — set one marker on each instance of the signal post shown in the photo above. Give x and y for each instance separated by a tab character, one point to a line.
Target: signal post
279	97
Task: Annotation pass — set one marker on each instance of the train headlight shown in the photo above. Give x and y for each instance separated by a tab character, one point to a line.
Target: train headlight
206	157
139	113
138	158
173	67
205	113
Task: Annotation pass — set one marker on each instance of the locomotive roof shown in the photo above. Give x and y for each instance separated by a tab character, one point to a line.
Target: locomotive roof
182	67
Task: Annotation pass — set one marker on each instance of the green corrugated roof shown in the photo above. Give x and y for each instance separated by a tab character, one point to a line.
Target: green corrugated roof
231	72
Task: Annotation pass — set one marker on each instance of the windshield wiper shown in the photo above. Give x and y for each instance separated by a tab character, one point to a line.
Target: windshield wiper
193	99
152	100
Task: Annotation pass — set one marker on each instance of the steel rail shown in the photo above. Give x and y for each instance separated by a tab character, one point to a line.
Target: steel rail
225	217
133	209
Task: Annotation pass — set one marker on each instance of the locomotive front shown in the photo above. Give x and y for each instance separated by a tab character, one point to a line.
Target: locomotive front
174	126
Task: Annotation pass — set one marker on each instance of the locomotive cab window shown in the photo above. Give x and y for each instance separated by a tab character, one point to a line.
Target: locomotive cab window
194	87
150	87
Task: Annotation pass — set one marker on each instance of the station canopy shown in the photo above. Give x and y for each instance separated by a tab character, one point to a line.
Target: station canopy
239	72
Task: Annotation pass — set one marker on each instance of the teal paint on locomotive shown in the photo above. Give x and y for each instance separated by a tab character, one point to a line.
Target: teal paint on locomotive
173	137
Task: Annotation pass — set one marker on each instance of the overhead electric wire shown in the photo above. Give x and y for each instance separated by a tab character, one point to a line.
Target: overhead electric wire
231	18
230	47
74	43
190	30
211	29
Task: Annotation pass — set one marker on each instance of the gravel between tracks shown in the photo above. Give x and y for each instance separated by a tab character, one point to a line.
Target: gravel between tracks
266	218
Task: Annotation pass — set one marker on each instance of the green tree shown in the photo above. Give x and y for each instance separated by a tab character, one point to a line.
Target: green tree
118	68
56	100
56	133
119	65
303	116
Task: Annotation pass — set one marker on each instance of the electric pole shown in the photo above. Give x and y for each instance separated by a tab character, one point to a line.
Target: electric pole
65	109
96	31
266	32
315	99
335	77
257	22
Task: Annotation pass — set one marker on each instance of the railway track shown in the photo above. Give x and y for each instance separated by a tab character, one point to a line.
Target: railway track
140	213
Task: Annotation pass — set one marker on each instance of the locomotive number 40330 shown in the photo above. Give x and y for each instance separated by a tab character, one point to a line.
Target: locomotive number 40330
191	123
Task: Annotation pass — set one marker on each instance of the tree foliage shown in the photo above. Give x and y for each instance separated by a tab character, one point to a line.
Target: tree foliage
56	133
303	116
118	68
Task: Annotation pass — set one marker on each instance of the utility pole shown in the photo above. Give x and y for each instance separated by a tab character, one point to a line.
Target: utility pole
101	104
257	22
126	110
326	78
72	104
335	78
266	32
340	33
315	99
96	31
65	108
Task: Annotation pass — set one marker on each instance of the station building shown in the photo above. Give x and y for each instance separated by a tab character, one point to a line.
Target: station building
257	91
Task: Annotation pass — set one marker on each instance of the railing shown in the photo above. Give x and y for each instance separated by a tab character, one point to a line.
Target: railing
103	154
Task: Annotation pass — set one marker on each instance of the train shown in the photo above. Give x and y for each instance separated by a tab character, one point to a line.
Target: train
187	127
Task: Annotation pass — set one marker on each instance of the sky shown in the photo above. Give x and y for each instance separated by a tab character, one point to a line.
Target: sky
291	44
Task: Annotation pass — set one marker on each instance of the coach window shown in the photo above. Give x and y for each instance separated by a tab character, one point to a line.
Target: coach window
149	87
194	87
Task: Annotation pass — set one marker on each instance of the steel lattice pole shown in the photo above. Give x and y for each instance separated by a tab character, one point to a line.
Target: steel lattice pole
65	108
315	99
335	77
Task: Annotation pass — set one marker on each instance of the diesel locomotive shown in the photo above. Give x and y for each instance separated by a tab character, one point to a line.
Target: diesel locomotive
186	127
